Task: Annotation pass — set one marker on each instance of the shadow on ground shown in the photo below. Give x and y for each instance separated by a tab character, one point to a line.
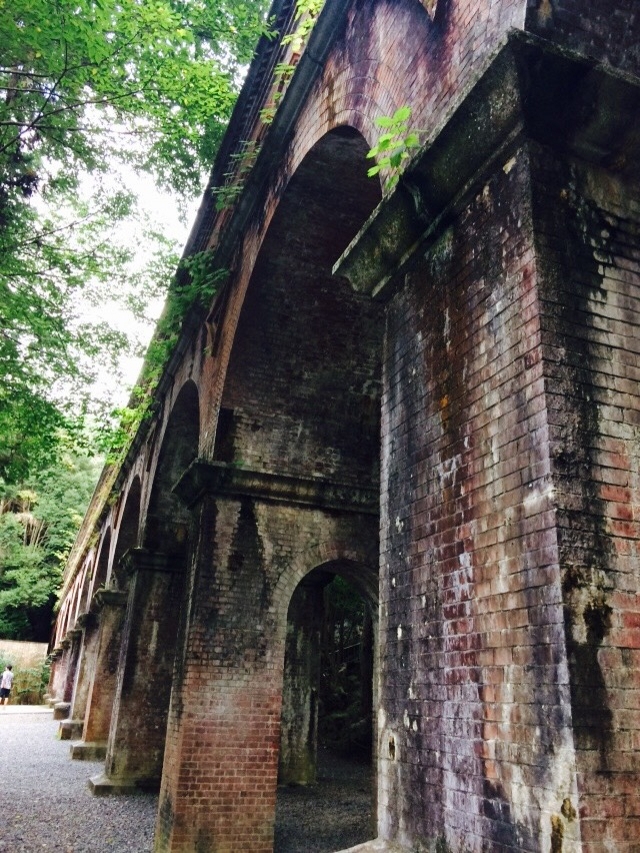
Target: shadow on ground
333	815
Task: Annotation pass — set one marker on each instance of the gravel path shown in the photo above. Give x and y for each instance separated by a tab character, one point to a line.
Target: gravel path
45	804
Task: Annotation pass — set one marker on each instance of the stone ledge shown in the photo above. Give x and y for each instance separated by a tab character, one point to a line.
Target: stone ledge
70	729
83	751
220	479
378	845
104	786
530	89
61	710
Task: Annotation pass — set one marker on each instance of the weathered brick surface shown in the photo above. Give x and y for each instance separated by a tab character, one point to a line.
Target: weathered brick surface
103	675
606	29
141	698
221	758
587	227
86	668
474	725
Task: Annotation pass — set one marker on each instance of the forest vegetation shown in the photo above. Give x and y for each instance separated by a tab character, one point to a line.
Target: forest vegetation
88	90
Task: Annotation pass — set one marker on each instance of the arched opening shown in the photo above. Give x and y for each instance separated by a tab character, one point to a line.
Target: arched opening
85	593
127	531
102	564
326	792
302	391
167	522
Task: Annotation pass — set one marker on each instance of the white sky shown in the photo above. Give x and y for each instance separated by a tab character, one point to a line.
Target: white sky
162	210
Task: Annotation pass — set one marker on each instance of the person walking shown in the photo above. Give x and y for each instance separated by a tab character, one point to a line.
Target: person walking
5	685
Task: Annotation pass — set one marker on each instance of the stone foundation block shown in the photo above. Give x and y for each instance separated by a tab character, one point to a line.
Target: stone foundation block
378	845
81	751
70	729
103	786
61	710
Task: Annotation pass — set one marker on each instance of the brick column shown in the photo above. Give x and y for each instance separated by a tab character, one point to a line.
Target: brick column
219	782
110	609
86	664
138	725
65	675
56	679
509	539
72	728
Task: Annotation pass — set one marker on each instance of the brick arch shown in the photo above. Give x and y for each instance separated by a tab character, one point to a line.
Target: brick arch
102	562
87	580
75	600
304	638
301	385
63	619
166	519
353	564
365	78
127	531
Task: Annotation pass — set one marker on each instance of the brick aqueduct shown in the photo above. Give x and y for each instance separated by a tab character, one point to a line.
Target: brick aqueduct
432	393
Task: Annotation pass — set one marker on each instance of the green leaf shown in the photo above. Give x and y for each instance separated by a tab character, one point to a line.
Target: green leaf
401	114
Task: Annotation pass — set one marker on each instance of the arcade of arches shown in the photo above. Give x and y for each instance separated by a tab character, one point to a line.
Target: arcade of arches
431	394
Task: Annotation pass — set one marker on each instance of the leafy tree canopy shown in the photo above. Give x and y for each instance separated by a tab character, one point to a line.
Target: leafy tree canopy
83	86
39	520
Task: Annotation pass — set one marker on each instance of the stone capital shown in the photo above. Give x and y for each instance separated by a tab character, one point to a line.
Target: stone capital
226	481
109	598
531	90
143	560
87	620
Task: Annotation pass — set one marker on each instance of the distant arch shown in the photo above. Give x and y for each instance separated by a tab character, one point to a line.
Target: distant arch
128	526
167	519
102	563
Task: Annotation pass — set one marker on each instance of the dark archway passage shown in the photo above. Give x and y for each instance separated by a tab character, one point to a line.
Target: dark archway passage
302	391
326	774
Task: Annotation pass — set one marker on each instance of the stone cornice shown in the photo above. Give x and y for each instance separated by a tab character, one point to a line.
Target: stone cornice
530	89
109	598
216	478
143	560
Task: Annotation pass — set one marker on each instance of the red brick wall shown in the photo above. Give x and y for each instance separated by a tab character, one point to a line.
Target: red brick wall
394	54
474	729
587	227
